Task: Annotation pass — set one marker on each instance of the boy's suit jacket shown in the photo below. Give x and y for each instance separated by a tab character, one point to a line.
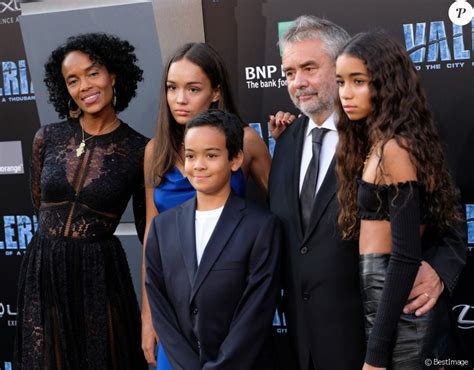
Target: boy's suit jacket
218	315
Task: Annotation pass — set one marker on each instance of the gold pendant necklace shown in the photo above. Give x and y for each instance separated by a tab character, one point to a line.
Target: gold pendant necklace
80	149
82	146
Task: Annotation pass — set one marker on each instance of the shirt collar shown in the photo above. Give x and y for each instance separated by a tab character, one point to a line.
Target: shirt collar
329	124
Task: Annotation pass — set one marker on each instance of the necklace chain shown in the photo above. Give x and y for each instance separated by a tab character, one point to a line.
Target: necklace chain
369	154
82	146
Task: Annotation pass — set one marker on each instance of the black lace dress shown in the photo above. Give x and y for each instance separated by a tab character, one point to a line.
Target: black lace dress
77	308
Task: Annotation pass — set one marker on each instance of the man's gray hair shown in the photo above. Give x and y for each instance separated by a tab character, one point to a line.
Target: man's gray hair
310	27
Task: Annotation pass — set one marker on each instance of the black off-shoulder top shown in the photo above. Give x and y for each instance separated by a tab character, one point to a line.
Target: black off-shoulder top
373	199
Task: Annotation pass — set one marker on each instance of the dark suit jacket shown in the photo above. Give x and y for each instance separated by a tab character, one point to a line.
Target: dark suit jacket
218	315
321	271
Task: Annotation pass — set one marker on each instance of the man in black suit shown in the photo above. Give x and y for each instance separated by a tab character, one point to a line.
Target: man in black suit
321	271
211	263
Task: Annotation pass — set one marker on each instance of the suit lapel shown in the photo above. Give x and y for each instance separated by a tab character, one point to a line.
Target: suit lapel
187	237
324	195
293	178
228	221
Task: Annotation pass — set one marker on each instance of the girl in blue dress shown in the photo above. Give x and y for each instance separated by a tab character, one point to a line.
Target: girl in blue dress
194	80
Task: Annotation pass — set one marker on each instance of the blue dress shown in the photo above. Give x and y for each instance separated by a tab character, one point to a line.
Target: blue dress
172	191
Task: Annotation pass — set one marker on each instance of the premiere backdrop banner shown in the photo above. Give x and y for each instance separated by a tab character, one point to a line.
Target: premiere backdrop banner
245	32
18	123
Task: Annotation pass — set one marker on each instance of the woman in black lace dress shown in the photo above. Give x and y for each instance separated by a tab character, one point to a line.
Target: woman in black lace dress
77	307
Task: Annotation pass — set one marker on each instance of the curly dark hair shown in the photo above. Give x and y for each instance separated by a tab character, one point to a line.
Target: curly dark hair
400	112
108	50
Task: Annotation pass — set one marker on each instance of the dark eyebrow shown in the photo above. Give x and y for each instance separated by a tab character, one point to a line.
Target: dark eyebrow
354	74
207	149
88	68
217	149
302	65
188	83
308	63
194	83
358	74
92	65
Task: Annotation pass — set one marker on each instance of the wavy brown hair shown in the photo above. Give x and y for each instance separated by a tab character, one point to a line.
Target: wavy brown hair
400	112
170	134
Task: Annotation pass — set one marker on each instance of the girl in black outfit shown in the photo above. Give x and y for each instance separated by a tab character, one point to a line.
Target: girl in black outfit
403	187
77	306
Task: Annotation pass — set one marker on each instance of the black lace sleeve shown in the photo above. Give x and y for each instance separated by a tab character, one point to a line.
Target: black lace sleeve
404	206
37	156
139	210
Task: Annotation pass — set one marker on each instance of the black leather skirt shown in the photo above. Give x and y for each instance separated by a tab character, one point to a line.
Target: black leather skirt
418	339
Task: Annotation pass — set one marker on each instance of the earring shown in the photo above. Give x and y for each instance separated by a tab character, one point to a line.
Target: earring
74	113
114	99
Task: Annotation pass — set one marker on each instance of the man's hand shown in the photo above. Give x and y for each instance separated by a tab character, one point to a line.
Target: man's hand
149	341
425	292
279	122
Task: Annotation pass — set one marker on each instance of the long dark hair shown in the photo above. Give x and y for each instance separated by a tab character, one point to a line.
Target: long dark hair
169	134
399	111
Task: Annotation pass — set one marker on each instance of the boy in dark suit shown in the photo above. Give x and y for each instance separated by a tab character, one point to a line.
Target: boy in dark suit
211	263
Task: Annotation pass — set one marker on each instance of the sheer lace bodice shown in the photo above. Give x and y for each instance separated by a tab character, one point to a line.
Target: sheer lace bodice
77	308
85	196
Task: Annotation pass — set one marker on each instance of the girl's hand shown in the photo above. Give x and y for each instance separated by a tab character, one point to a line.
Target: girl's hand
279	122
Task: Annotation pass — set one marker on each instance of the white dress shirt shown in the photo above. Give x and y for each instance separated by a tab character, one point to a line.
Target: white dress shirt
328	148
205	222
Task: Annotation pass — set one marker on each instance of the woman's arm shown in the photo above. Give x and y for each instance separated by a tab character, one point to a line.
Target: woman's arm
37	157
149	337
257	160
404	205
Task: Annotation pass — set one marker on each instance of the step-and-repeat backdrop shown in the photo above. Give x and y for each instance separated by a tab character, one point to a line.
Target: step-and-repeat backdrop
246	32
18	123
